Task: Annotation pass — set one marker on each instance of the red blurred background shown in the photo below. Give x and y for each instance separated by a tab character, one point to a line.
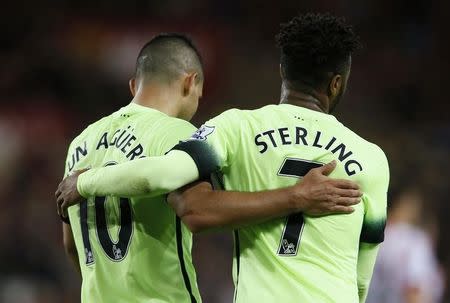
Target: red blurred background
65	64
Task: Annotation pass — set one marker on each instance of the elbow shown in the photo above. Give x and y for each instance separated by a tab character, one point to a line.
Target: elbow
194	224
186	211
190	217
159	185
191	206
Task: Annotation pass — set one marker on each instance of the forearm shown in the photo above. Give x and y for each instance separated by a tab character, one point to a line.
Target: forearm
75	262
146	176
70	248
366	261
202	208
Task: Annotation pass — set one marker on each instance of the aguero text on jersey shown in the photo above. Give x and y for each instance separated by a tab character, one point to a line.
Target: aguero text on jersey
131	249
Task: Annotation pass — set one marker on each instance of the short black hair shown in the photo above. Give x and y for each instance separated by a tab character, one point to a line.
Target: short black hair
166	55
313	45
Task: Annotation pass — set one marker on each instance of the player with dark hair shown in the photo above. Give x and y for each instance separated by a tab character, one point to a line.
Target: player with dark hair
316	58
127	250
135	248
166	56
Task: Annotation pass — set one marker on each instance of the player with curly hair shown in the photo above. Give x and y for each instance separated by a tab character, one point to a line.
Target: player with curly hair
299	258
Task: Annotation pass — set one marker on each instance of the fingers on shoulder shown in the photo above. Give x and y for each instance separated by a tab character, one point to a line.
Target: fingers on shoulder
344	184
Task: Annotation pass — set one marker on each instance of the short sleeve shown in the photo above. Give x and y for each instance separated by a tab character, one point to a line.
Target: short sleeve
213	145
375	200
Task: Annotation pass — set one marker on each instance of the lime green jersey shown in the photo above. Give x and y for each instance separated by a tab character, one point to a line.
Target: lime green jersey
298	258
131	250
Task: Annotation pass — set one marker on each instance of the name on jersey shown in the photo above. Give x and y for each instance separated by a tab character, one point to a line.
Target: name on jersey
274	138
122	139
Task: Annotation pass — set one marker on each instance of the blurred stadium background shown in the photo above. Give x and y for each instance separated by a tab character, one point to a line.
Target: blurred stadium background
64	64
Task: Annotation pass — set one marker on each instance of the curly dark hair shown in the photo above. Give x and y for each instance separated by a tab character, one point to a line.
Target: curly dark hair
313	45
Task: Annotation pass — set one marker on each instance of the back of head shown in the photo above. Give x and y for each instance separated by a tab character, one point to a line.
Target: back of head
166	57
406	205
314	47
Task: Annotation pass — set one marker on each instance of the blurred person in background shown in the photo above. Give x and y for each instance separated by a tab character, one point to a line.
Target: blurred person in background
28	290
407	270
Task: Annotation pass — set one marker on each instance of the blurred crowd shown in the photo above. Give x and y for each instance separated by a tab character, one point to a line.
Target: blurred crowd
65	64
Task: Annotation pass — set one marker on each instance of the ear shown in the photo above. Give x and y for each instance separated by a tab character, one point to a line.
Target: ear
335	86
132	84
189	83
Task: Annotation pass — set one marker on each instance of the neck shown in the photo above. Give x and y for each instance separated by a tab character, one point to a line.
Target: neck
311	100
158	97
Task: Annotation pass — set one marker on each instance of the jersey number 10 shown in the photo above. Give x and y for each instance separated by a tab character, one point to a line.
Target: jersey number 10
116	251
292	231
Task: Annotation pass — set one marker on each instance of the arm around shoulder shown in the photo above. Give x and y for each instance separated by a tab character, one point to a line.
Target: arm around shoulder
145	176
201	208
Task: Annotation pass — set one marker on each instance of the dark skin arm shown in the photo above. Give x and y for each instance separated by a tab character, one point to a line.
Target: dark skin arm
202	208
69	247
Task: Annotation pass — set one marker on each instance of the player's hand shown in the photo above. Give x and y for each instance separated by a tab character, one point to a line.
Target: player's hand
67	193
319	194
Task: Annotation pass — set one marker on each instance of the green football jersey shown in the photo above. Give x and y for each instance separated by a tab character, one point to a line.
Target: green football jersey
131	250
298	258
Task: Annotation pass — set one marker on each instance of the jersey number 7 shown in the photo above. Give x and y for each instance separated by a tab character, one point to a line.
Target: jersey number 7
292	231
